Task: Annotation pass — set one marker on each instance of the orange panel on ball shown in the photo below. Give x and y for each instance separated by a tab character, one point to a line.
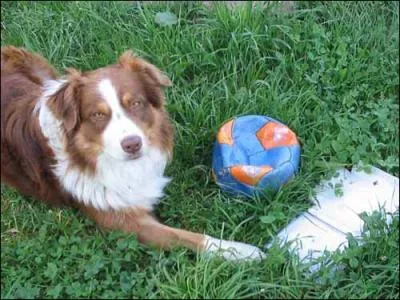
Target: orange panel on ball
224	135
250	175
276	135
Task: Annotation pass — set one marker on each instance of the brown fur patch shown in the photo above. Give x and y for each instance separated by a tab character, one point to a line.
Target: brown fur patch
25	156
31	65
129	60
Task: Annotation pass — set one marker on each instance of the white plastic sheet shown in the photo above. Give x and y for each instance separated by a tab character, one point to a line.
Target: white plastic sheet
325	225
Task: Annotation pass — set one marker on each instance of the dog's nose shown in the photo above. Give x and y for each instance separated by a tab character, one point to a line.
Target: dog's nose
131	144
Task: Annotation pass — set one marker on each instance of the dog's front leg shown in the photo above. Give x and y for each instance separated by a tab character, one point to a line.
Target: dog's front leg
149	231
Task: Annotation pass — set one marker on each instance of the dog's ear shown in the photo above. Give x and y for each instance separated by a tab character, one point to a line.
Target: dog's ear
32	65
129	60
65	103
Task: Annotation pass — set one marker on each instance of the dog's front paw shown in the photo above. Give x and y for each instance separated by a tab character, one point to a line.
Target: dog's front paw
232	250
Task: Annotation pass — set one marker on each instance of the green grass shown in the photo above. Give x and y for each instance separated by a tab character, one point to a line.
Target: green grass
329	71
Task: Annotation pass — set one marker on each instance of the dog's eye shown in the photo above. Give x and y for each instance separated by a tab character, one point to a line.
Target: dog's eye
135	104
97	115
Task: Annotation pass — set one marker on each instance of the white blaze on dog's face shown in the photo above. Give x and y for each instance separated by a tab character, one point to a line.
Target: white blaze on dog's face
122	137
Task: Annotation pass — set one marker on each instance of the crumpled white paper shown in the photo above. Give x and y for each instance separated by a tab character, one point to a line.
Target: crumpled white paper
325	225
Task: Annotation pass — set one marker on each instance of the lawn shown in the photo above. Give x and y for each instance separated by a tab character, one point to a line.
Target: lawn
330	71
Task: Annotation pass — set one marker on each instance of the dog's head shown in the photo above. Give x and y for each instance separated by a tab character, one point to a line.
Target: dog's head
117	111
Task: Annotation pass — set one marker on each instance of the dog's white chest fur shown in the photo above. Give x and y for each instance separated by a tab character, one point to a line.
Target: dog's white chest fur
116	184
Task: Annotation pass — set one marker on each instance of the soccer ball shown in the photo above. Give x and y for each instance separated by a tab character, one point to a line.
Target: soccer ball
253	154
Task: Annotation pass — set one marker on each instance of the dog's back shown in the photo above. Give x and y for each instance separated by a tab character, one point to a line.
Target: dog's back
24	155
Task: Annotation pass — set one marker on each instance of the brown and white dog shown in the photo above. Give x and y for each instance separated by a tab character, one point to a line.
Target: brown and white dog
98	141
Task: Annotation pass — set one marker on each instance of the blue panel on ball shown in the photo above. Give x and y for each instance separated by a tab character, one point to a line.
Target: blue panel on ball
248	144
248	125
273	157
217	158
244	129
296	157
228	156
278	177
